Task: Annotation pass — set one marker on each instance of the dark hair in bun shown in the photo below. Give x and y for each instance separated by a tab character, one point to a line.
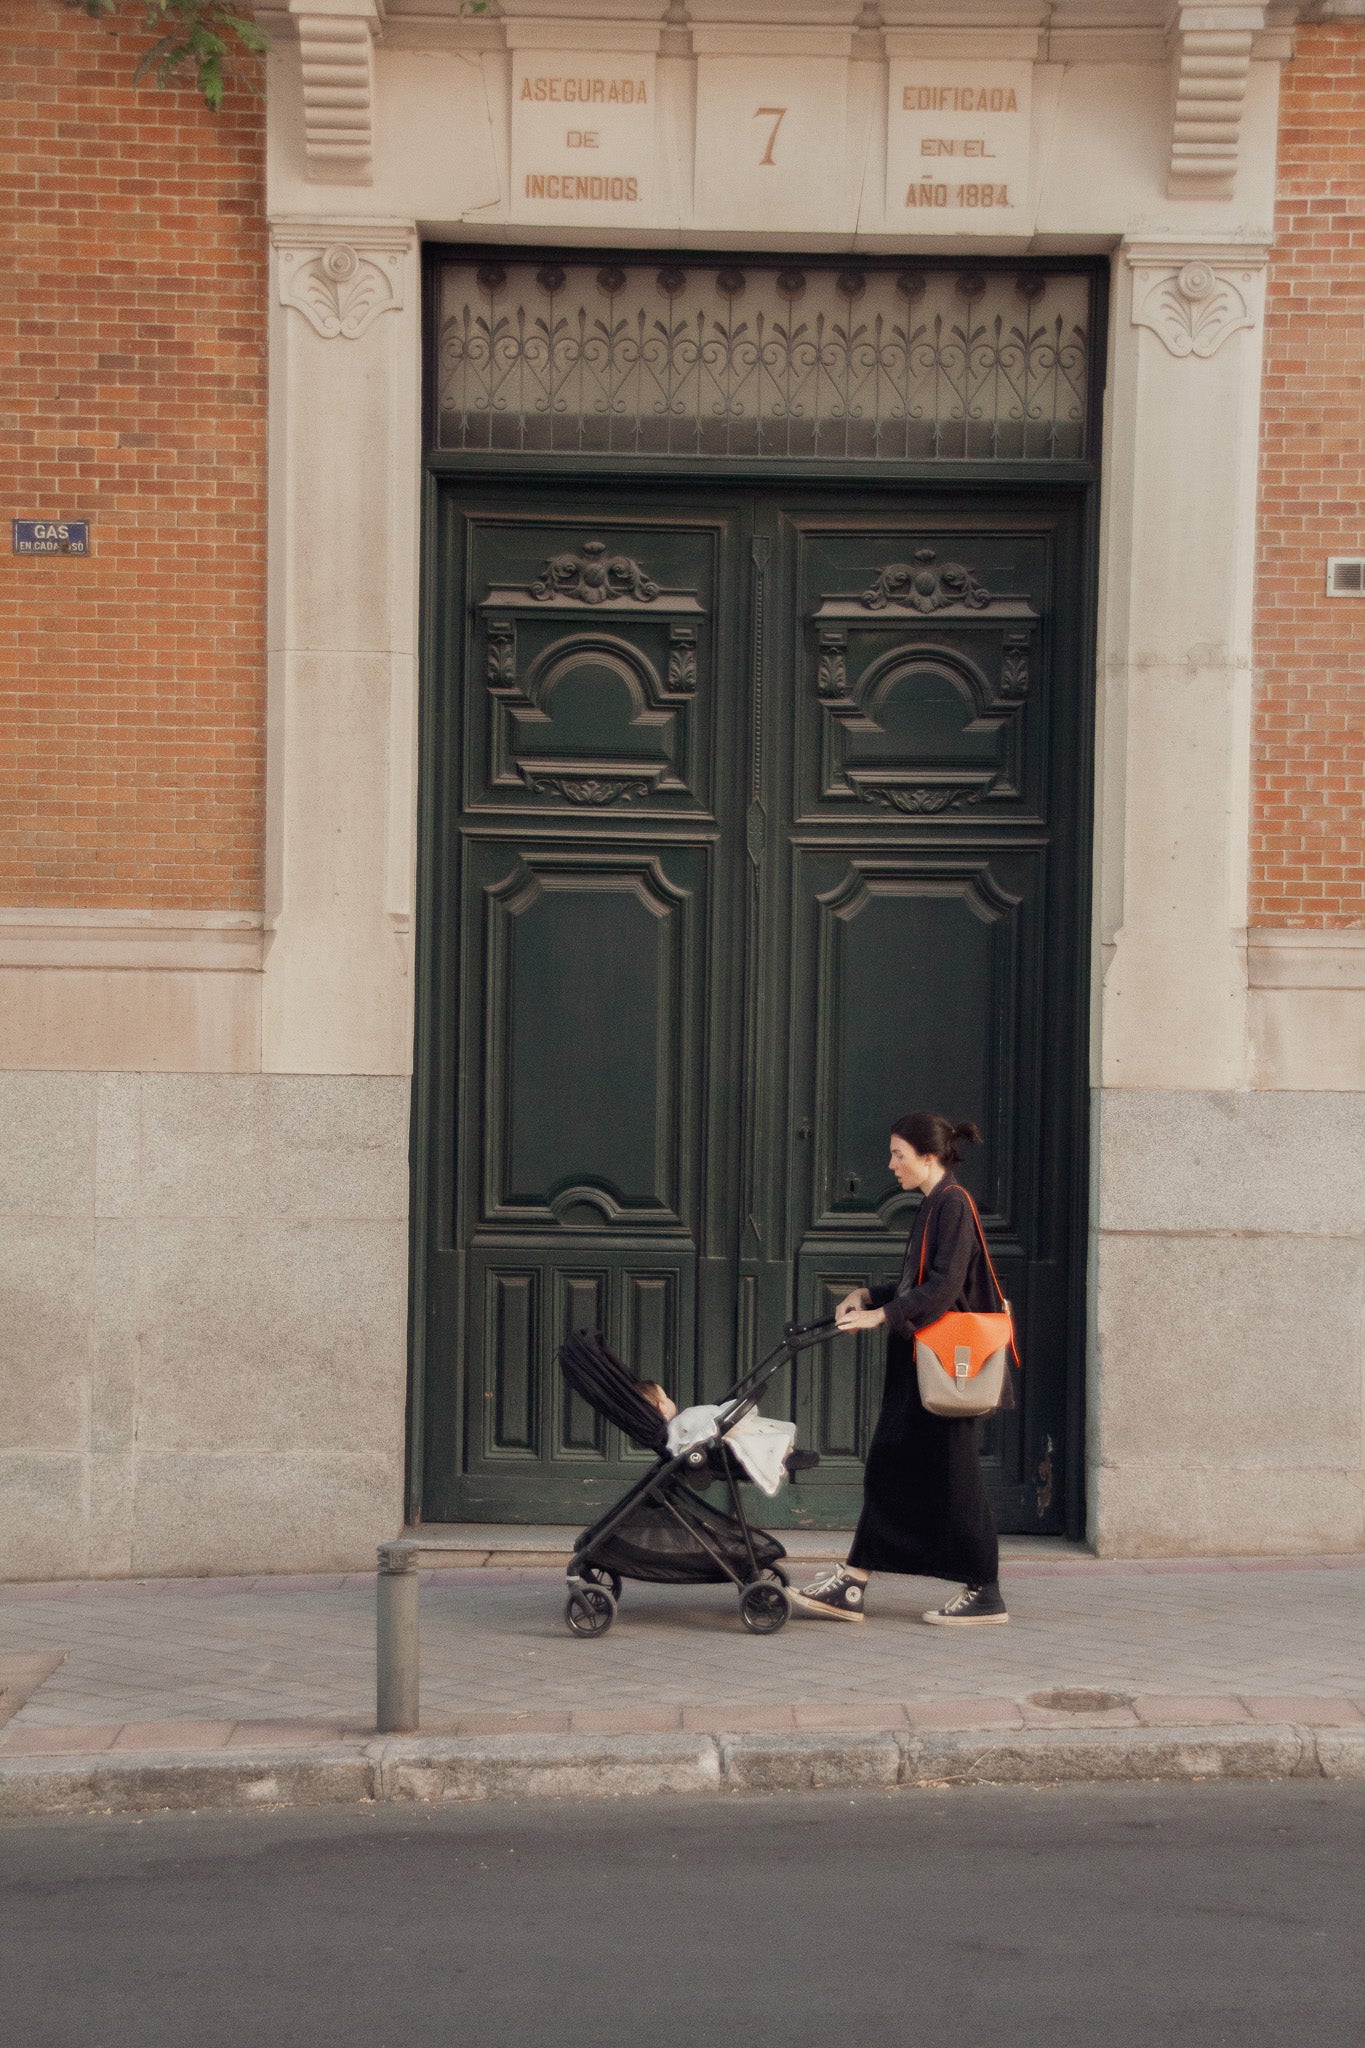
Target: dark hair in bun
926	1132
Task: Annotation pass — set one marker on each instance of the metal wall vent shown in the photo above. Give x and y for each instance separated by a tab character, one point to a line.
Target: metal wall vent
1346	575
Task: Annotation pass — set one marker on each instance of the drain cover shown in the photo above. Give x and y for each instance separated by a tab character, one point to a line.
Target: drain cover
1076	1699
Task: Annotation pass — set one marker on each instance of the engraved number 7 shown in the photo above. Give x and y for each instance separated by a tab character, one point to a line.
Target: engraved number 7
781	114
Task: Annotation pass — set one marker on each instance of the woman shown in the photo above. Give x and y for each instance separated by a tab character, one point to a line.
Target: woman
925	1510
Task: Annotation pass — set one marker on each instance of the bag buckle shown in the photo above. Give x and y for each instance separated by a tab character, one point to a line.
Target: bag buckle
962	1362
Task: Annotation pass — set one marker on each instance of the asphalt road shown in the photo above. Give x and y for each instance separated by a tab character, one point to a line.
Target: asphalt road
1097	1917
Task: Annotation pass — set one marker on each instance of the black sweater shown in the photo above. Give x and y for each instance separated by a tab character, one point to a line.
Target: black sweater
955	1272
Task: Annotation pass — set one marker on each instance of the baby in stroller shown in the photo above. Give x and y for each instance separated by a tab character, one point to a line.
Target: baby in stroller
766	1449
662	1530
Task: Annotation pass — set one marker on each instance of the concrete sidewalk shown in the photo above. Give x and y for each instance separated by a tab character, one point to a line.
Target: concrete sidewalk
1261	1660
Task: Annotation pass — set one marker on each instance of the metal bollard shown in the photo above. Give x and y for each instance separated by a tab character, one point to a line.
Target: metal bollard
397	1667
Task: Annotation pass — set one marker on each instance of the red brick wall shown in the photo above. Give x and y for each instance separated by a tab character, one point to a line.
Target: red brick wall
132	394
1308	766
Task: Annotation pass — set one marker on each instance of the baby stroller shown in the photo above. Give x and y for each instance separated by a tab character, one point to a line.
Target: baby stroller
662	1530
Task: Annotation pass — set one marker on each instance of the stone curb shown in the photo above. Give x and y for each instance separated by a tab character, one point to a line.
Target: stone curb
1101	1756
413	1768
544	1766
38	1788
1341	1753
807	1763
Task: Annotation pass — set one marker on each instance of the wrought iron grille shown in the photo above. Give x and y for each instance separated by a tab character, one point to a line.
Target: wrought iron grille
865	362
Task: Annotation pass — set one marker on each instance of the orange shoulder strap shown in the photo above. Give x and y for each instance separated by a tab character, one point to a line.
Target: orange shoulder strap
985	1248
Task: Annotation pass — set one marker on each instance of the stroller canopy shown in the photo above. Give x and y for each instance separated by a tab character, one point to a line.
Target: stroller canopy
593	1370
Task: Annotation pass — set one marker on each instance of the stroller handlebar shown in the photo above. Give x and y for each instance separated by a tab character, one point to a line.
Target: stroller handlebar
799	1334
795	1337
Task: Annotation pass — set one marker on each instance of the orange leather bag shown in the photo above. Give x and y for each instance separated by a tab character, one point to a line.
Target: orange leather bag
961	1360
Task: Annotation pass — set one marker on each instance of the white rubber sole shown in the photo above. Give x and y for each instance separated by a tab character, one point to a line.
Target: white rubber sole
939	1620
817	1607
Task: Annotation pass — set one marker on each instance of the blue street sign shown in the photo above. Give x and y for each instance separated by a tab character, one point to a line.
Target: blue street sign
50	536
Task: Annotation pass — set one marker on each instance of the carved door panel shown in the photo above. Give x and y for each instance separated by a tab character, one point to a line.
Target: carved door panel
590	952
929	881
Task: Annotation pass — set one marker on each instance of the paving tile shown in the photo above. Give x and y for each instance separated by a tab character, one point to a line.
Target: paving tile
287	1734
625	1720
299	1582
81	1740
964	1713
1092	1568
1182	1567
1307	1712
174	1735
211	1589
738	1720
123	1589
21	1667
513	1724
1276	1564
1184	1710
851	1714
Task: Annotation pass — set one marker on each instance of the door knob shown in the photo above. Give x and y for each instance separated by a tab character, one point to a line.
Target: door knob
804	1130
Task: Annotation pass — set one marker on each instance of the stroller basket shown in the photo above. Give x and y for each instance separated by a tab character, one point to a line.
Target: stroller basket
662	1530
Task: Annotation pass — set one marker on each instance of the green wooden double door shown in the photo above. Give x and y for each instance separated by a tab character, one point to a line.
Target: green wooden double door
755	818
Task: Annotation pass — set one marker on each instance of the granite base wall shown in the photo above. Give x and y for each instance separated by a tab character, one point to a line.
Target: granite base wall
203	1285
1225	1408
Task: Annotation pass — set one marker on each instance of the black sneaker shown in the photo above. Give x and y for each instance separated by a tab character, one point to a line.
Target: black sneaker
836	1595
973	1608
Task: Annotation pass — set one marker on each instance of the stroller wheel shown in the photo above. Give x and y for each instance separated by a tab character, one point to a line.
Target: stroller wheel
589	1611
776	1574
764	1606
602	1575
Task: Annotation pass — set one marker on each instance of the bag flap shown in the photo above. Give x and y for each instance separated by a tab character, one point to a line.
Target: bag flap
982	1333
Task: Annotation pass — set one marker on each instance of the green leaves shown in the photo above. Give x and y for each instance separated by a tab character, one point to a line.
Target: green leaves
200	34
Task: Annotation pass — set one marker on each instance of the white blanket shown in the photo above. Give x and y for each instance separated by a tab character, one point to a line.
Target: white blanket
759	1443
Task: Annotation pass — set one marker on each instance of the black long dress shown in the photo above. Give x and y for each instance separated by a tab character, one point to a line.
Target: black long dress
925	1509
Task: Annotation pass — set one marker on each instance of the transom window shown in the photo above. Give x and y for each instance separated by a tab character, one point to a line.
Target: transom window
886	360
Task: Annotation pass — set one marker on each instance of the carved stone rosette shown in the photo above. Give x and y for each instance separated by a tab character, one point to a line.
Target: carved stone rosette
1193	306
341	275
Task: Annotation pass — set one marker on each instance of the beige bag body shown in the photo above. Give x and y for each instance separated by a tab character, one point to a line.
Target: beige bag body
949	1387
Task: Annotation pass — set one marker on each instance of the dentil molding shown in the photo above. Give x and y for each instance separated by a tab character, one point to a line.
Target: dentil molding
341	275
1193	299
